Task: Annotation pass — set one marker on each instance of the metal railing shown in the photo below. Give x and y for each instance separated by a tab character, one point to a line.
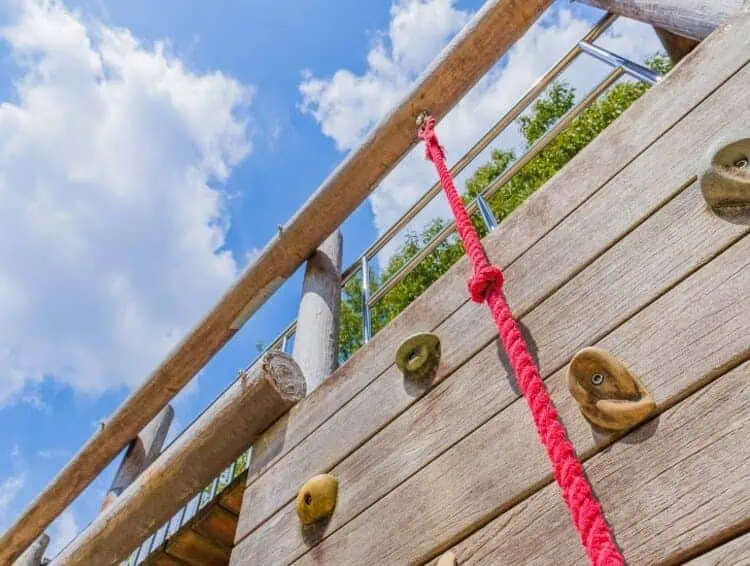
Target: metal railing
621	66
479	205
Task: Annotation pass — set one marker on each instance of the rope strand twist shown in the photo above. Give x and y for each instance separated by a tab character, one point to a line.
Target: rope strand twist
486	286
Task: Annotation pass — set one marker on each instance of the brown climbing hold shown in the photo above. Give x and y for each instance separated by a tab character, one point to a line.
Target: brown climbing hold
418	357
610	396
725	179
447	559
317	498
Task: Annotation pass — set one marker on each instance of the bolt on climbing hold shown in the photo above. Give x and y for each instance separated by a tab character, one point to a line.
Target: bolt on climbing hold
418	356
725	179
447	559
609	395
317	498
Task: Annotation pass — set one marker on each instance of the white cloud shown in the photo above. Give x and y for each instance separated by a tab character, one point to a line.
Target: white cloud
347	105
15	452
54	453
113	236
64	530
9	490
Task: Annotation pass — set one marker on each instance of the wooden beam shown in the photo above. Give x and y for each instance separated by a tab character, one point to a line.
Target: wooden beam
676	46
35	553
530	280
140	454
316	339
676	345
694	19
220	434
492	31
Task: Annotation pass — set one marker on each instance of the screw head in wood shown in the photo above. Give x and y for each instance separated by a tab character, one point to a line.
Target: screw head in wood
609	395
316	499
725	179
418	357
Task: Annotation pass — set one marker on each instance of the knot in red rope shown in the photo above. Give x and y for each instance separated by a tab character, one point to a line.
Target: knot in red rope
429	137
484	280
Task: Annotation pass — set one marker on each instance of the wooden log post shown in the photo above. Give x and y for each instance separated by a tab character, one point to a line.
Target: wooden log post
35	553
259	397
140	454
694	19
675	45
316	340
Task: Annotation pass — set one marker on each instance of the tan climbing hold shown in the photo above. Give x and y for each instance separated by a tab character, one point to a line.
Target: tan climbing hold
725	179
418	357
609	395
447	559
317	498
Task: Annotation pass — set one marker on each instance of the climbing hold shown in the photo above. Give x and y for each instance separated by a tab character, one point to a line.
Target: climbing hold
725	179
447	559
418	356
610	396
317	498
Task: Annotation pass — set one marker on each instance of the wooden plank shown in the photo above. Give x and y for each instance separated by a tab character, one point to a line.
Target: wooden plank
217	524
231	497
536	274
161	558
677	234
667	489
678	343
220	434
676	46
197	550
733	553
497	26
647	119
695	19
35	553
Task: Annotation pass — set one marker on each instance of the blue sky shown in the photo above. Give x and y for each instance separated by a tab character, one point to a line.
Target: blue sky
151	148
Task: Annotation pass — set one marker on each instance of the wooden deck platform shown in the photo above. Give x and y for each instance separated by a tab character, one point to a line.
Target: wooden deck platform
207	539
618	250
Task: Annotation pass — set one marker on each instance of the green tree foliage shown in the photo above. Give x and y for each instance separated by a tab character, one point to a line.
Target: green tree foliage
559	98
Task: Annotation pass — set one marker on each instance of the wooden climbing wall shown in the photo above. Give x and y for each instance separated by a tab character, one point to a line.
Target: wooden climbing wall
619	251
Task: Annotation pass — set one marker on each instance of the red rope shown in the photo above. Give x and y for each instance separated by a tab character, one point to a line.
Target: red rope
486	285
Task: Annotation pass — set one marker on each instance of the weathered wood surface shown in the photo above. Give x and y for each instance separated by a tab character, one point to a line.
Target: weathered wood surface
217	522
683	236
676	46
140	454
35	553
197	550
733	553
231	497
695	19
492	31
537	273
667	490
316	338
259	397
678	343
